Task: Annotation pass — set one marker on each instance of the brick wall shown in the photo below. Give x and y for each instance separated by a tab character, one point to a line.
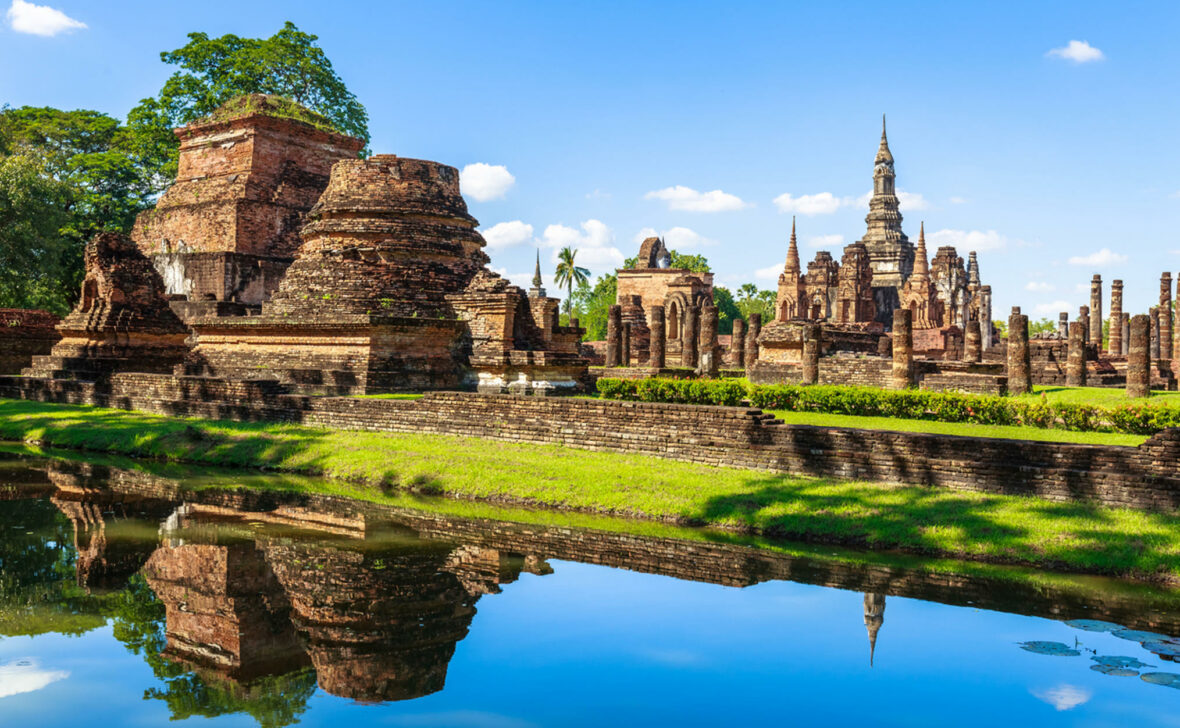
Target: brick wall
1144	477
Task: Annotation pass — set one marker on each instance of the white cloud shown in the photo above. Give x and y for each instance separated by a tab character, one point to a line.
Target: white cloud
770	272
1052	308
598	194
1078	51
25	17
1106	256
958	200
484	182
822	203
1039	286
677	238
967	240
1063	696
508	234
827	242
25	676
594	243
684	198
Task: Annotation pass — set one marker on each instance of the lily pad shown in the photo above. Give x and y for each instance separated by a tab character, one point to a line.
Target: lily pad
1167	679
1056	649
1169	648
1116	671
1094	625
1136	635
1119	661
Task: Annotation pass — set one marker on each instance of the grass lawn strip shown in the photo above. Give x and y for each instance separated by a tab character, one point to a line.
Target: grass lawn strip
1001	529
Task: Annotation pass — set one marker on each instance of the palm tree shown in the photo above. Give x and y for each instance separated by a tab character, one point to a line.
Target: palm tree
569	275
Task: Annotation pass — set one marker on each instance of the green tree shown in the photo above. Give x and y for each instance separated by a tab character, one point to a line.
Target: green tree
35	257
694	263
569	274
593	305
1042	326
751	300
213	71
727	310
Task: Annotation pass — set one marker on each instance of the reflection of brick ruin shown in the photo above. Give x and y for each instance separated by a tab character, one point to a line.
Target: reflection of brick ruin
227	228
121	323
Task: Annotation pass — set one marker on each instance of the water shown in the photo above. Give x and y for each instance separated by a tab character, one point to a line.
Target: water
135	595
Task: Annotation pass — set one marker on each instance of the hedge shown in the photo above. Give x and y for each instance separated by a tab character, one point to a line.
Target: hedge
912	404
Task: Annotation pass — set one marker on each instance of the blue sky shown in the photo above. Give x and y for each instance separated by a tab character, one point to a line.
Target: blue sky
715	122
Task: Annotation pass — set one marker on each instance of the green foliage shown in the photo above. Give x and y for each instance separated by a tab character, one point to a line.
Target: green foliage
214	71
1042	326
694	263
593	305
751	300
727	310
911	404
569	274
37	261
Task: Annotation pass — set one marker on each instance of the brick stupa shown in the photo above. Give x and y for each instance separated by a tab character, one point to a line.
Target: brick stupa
225	231
122	322
389	292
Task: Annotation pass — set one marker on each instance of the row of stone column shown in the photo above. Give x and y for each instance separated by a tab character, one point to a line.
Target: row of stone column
698	340
1163	328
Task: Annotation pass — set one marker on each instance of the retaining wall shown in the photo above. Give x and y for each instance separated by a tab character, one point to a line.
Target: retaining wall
1145	477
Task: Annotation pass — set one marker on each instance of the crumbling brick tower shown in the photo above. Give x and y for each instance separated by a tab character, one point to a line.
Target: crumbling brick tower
389	292
225	231
121	323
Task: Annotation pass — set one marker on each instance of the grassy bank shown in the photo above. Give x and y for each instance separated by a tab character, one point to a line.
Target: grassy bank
1004	529
1099	396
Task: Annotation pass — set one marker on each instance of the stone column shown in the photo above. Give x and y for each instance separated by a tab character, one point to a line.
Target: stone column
903	349
737	344
626	347
1126	334
752	339
972	342
985	317
688	338
885	346
614	335
1019	363
1075	365
1096	311
1116	318
1138	365
1153	333
709	349
1084	319
655	322
1176	330
1063	324
811	349
1166	316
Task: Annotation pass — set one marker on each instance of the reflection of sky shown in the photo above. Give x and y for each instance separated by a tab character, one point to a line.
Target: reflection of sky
589	645
25	675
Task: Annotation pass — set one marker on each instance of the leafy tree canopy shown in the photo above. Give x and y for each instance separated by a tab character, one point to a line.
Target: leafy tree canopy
694	263
35	258
215	70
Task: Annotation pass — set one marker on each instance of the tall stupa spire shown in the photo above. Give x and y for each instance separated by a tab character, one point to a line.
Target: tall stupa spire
891	254
537	291
793	249
874	618
921	262
883	153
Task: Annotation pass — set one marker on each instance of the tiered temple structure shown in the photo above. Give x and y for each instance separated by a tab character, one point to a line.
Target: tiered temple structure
883	272
225	231
390	291
121	323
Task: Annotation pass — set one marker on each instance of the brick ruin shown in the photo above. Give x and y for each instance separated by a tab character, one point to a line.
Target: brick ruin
226	229
122	321
24	334
389	291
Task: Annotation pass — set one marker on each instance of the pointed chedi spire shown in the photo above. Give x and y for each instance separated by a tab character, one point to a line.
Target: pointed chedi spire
537	291
883	153
921	262
874	618
793	249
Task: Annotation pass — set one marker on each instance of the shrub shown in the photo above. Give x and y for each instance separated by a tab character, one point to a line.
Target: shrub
912	404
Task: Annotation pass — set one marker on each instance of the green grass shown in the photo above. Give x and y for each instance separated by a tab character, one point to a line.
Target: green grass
1005	529
965	429
1101	396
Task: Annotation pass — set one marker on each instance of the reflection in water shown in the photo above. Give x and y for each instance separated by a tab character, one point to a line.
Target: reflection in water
244	601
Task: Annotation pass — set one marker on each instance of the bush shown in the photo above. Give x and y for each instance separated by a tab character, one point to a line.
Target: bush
911	404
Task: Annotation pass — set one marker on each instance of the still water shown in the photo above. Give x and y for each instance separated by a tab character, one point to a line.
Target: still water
133	595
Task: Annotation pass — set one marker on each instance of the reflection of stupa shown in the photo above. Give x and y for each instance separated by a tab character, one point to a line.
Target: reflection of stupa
874	618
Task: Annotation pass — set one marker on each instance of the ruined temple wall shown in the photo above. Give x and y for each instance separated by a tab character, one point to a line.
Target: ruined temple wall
1141	477
873	371
24	334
